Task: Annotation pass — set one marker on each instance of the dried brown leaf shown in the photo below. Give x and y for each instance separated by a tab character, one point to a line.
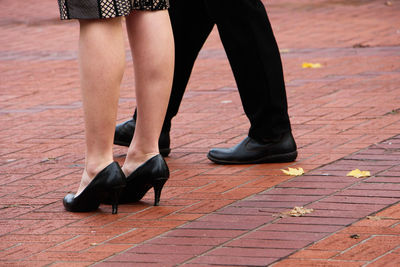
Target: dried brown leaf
297	212
355	236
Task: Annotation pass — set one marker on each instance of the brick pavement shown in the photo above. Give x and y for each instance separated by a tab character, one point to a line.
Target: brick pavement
341	113
253	232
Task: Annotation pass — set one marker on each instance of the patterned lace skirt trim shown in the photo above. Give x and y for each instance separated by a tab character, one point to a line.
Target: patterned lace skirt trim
101	9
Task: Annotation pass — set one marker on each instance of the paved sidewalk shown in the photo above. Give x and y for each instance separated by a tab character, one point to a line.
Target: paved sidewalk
345	115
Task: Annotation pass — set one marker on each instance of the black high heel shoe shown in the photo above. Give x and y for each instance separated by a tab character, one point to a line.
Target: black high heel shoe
107	184
154	173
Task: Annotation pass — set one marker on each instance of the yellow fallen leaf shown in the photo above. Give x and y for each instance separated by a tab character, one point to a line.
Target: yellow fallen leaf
294	171
359	174
311	65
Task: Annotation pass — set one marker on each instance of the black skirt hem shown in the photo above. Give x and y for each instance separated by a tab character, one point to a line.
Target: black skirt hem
104	9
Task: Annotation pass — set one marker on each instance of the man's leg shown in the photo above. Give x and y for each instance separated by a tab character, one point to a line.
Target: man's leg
254	56
191	26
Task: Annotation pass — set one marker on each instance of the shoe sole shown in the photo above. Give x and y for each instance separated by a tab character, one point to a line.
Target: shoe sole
280	158
163	151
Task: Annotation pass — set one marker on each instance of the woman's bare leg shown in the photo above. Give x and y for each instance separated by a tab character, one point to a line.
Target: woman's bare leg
102	63
152	46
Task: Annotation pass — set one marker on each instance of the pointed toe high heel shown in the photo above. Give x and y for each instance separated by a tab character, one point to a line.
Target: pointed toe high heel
106	184
154	173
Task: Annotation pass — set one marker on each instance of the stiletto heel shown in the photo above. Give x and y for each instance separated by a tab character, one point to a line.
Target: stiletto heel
115	201
102	186
158	186
115	208
153	173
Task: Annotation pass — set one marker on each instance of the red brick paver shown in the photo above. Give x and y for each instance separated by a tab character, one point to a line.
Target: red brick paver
211	214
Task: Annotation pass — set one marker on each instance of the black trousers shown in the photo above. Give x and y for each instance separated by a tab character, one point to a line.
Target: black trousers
252	51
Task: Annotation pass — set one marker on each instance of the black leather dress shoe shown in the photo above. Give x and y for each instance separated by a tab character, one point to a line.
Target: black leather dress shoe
124	134
250	151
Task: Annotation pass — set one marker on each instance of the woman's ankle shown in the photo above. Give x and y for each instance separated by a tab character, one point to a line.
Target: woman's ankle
92	168
134	160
